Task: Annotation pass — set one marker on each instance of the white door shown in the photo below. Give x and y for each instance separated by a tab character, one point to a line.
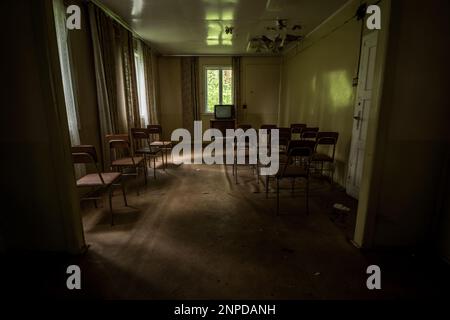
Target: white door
361	113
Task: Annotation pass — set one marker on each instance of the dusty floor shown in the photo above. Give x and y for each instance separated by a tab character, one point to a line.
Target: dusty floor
194	234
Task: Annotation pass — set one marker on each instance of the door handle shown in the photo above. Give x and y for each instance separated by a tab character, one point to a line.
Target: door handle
358	118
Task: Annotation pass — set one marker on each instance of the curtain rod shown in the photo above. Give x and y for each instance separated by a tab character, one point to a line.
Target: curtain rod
120	21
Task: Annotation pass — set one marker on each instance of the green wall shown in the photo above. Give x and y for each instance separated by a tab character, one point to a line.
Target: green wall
317	78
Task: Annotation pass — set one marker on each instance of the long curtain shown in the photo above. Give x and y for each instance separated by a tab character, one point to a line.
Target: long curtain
116	78
103	39
236	66
66	73
150	81
190	91
130	78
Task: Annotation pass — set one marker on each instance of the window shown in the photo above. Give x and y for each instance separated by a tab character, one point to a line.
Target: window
141	87
219	87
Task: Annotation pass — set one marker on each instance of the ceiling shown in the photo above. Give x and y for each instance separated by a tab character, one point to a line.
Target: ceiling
197	27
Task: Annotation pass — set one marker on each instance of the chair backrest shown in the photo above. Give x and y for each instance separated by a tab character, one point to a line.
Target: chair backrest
244	126
284	135
118	141
301	148
119	146
139	133
155	129
140	137
268	126
309	133
120	136
83	154
297	127
327	138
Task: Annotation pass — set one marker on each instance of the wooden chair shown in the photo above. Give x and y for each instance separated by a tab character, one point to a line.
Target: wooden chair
293	170
98	181
309	133
328	139
296	130
284	137
245	148
122	157
155	132
142	146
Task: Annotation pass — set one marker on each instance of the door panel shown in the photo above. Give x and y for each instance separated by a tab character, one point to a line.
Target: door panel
361	114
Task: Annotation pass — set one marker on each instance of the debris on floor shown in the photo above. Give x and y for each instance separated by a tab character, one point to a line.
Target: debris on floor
340	213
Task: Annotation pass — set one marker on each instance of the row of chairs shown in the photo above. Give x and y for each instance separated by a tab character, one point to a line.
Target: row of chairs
127	158
301	151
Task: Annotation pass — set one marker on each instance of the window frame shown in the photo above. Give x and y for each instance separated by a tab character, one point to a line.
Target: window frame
220	67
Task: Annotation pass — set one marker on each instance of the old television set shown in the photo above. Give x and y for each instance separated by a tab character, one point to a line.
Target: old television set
223	111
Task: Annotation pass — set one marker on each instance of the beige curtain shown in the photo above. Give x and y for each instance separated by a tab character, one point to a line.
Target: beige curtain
129	78
190	91
236	66
115	77
103	40
150	80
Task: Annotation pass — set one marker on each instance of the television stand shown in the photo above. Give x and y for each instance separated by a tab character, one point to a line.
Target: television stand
222	124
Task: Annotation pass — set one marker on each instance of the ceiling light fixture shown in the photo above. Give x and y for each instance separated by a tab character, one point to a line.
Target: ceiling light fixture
276	38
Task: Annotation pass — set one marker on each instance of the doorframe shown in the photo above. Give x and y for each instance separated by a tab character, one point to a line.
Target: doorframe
370	186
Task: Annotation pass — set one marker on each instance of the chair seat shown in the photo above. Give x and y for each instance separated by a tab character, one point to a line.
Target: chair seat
148	150
246	151
321	157
93	179
292	172
282	159
128	161
161	143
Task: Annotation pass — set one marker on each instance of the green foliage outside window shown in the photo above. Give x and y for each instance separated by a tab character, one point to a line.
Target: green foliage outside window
219	87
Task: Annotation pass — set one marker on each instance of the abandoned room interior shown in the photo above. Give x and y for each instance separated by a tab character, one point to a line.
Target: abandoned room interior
225	149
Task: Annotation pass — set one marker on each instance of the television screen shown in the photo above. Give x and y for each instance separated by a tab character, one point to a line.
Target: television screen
222	111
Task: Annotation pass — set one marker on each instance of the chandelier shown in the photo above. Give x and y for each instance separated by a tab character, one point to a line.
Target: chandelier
276	37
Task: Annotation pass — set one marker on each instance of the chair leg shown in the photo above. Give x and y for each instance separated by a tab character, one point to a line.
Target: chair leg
267	187
145	172
332	173
307	196
165	159
257	173
321	169
110	206
124	194
137	185
278	196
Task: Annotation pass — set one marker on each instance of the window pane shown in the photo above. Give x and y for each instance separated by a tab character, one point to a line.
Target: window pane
212	78
227	87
